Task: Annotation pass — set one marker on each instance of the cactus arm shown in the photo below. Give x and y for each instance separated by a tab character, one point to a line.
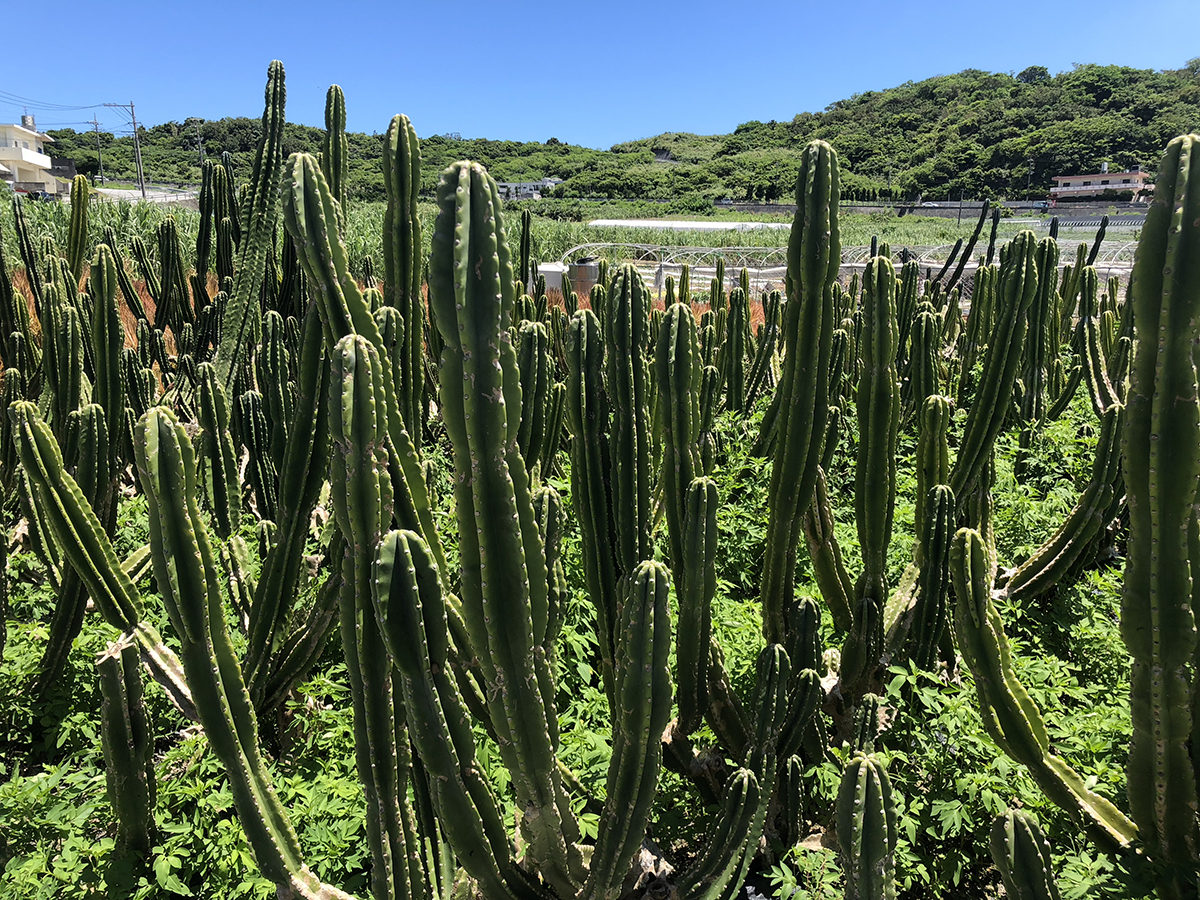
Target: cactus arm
1161	454
714	875
222	485
1052	562
814	257
643	690
133	300
695	593
402	260
72	520
77	247
734	353
1018	283
260	469
204	235
1009	714
970	248
301	477
725	714
629	392
1021	853
108	336
878	423
274	369
309	210
934	580
29	256
548	508
9	315
504	577
186	571
239	327
128	748
676	366
866	830
533	362
1041	316
1095	366
92	475
408	602
335	151
362	500
587	413
304	645
836	586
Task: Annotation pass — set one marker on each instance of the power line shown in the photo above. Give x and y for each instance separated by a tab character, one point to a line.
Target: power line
42	105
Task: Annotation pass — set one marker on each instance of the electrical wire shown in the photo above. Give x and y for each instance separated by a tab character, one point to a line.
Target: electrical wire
11	99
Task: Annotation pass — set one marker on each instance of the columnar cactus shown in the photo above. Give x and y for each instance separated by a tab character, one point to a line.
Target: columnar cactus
335	151
866	830
1161	453
1021	853
814	257
1018	285
733	354
257	231
402	265
29	255
533	363
504	583
128	746
187	575
78	249
875	474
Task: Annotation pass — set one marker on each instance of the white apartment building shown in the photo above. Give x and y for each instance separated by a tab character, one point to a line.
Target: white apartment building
24	162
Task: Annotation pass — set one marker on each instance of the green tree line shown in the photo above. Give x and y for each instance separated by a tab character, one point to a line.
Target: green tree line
974	133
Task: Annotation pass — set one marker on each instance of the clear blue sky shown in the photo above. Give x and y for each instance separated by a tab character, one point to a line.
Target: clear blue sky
594	74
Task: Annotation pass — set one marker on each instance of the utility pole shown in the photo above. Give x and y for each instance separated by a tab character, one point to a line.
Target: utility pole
137	145
137	152
99	152
200	143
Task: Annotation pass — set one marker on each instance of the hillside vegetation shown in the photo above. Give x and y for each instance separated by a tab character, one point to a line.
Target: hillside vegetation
982	133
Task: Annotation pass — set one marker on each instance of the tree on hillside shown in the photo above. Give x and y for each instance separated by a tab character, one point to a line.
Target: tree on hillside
1033	75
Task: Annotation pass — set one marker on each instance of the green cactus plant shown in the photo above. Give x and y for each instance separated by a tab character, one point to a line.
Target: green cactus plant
402	263
866	829
1021	853
814	257
253	235
1161	467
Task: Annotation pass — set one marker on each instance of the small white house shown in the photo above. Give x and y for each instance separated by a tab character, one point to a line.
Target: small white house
24	162
526	190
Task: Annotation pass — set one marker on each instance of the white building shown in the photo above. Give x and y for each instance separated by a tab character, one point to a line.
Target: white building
526	190
24	162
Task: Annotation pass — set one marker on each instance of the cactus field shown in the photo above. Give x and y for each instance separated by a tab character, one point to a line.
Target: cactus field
344	565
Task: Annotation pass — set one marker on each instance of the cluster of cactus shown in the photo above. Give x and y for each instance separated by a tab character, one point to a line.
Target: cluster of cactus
321	385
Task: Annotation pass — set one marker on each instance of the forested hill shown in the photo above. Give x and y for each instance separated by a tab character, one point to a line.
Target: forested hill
983	133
